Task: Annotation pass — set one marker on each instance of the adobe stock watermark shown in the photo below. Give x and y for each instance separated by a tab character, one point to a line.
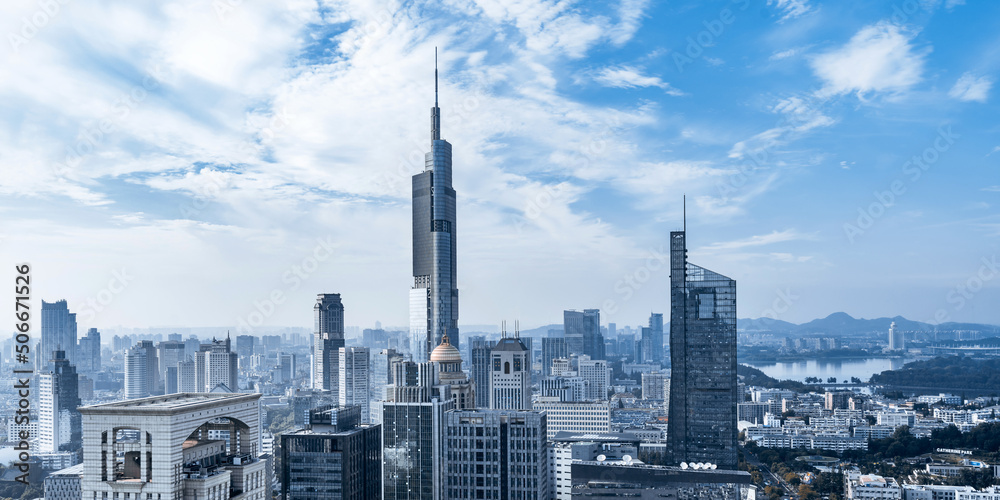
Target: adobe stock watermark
962	293
782	303
293	278
913	169
31	25
706	38
89	138
102	299
631	283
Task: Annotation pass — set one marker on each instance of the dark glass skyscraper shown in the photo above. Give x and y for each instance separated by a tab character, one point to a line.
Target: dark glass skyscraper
703	387
583	333
328	338
434	296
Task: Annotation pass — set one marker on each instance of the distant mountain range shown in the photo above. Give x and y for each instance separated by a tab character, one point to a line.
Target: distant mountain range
836	324
841	323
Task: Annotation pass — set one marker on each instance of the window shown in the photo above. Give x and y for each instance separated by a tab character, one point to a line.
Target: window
706	306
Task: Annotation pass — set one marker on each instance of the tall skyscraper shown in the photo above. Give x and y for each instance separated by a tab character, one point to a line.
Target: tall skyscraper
88	352
582	331
510	375
479	351
59	422
328	338
703	384
896	341
187	376
353	380
333	457
501	454
170	353
434	295
552	348
58	334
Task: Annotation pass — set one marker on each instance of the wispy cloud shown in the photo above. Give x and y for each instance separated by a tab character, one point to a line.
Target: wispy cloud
969	87
759	240
878	58
628	77
791	9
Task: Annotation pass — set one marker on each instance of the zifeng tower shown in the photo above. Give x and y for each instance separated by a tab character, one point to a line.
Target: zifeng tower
434	296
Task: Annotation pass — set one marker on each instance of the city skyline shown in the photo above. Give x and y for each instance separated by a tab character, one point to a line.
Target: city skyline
224	157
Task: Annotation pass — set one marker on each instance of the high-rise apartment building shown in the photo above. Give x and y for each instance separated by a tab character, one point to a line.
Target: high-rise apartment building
434	294
59	419
58	334
896	340
88	352
217	365
328	338
598	376
582	331
703	384
141	370
500	454
353	380
333	457
654	385
510	375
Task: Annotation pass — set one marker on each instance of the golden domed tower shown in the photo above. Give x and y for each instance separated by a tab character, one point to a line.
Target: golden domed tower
449	361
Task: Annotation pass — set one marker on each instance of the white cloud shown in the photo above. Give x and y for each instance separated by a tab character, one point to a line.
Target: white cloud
791	9
951	4
878	58
627	77
969	87
759	240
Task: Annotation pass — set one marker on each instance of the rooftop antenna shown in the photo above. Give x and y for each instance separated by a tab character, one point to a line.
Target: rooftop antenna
435	111
435	77
685	196
517	329
503	329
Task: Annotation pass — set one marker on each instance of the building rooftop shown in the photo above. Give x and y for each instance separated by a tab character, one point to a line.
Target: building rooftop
509	344
185	401
76	470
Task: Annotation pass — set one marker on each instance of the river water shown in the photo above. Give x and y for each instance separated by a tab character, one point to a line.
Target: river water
842	369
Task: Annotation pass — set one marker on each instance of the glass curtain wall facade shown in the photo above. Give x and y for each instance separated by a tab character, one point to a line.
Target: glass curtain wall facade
703	384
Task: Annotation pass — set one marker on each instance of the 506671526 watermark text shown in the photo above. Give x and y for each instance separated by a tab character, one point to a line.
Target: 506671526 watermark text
22	369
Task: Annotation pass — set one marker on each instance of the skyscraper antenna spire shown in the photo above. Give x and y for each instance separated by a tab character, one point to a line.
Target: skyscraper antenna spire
435	77
435	111
685	207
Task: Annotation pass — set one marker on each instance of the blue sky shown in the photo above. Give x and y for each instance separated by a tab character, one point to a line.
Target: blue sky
212	163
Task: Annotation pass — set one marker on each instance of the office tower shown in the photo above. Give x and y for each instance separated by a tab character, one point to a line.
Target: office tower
450	373
413	432
582	331
564	388
59	422
175	337
191	347
353	379
170	353
652	340
479	353
187	376
501	454
896	341
58	334
170	380
328	338
654	385
703	385
552	348
381	374
510	375
216	365
170	447
612	330
88	352
434	295
598	377
141	370
574	416
333	457
245	345
630	478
